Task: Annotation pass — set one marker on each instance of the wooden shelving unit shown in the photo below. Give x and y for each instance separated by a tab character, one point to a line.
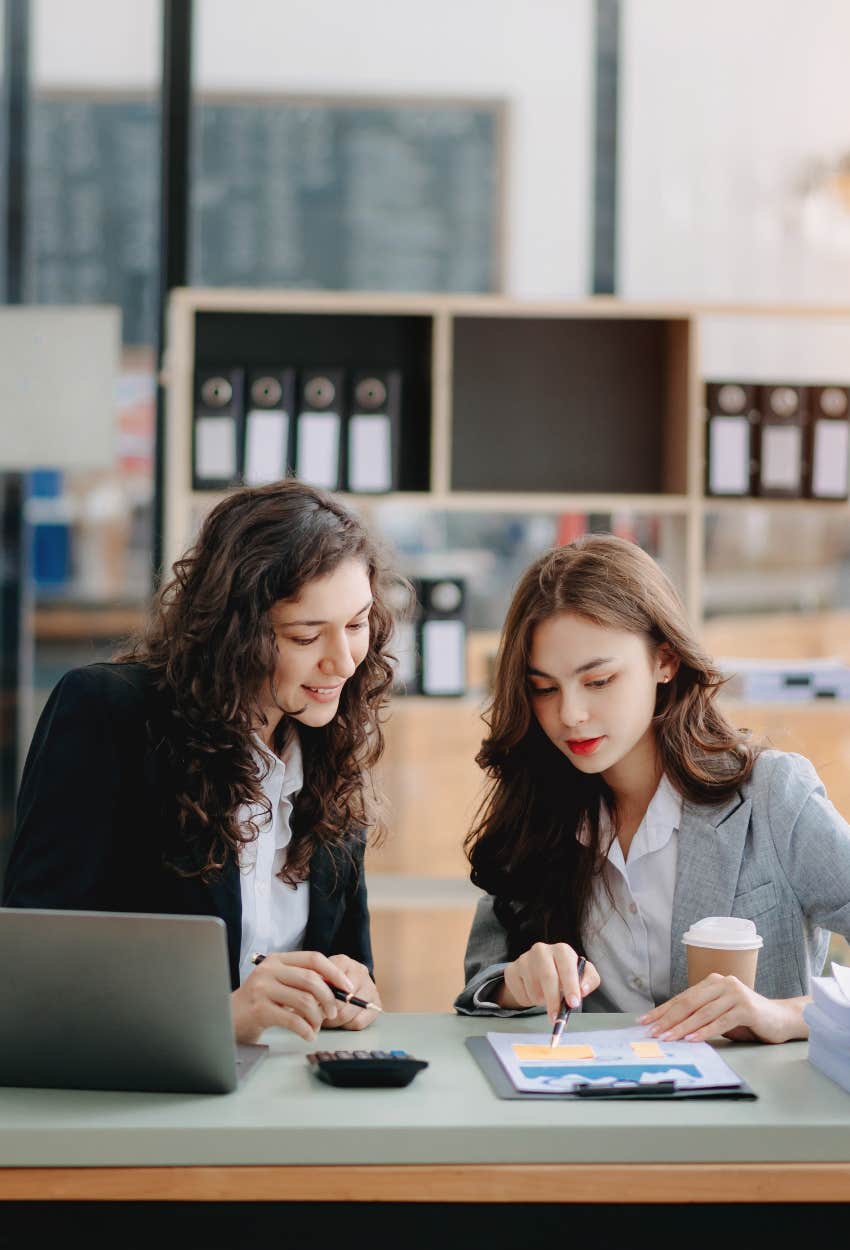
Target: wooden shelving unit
510	406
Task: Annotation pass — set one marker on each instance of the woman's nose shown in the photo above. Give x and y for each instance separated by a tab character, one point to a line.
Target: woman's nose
339	661
573	710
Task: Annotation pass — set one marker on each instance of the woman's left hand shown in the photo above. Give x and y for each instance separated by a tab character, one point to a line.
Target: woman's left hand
348	1016
724	1005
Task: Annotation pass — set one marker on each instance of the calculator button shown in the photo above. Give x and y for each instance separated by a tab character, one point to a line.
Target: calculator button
363	1054
399	1054
342	1054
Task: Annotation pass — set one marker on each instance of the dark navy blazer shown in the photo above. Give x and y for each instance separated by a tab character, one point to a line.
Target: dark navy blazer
96	817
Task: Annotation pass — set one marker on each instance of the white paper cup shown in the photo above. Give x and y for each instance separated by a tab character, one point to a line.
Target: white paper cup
725	944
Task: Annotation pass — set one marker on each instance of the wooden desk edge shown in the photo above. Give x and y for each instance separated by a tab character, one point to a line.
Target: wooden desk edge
505	1182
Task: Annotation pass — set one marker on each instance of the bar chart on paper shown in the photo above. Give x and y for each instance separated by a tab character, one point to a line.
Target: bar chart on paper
610	1057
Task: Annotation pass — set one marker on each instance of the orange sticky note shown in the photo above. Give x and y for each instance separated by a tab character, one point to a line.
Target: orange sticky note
554	1053
647	1050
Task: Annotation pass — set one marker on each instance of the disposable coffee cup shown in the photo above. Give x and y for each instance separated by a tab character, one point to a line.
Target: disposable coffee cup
725	944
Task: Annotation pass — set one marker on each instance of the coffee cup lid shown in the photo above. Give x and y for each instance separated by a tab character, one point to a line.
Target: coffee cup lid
731	933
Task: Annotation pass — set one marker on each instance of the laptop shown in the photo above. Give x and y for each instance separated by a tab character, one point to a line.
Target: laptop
115	1000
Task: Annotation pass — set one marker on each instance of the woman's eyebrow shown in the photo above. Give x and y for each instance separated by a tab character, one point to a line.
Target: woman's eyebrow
582	668
287	624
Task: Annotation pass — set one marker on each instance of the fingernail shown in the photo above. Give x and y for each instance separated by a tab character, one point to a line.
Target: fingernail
689	1037
349	985
665	1037
574	1000
585	987
642	1019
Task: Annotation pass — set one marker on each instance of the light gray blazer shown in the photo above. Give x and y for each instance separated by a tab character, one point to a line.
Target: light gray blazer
777	853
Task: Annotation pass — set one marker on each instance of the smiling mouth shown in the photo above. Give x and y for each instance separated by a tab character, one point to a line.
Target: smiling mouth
324	690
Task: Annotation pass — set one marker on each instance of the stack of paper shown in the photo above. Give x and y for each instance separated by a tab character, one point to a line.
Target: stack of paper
828	1017
786	681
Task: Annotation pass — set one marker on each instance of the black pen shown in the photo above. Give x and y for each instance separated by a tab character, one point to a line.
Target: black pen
339	994
564	1014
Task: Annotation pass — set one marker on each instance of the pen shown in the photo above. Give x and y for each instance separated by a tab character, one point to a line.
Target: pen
564	1013
339	994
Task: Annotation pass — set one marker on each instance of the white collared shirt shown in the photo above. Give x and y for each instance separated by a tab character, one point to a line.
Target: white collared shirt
274	915
629	943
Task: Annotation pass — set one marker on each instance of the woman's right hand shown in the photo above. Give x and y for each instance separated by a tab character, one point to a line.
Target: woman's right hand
543	976
288	990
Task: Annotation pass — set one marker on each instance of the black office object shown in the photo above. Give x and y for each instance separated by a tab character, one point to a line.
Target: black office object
318	427
442	636
357	1069
731	414
781	441
827	453
484	1055
217	428
269	419
373	431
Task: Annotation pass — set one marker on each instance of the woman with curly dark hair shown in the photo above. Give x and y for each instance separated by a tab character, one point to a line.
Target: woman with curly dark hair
220	765
624	807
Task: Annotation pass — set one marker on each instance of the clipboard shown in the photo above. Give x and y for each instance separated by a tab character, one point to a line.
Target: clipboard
482	1053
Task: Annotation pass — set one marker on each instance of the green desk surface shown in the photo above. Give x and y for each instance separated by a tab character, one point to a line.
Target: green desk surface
283	1114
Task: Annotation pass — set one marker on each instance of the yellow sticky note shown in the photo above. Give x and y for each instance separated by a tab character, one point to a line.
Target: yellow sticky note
647	1050
556	1053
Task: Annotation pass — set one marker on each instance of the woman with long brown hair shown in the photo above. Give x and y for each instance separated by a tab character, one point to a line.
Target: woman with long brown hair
624	807
220	765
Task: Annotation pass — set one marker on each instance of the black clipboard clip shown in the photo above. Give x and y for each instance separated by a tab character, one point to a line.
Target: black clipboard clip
649	1089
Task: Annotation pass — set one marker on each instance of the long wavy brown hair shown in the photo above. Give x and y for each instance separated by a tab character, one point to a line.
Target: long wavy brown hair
210	647
523	846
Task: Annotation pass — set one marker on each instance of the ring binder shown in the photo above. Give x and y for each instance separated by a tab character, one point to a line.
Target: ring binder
373	431
443	636
781	446
268	421
217	428
829	443
318	442
731	418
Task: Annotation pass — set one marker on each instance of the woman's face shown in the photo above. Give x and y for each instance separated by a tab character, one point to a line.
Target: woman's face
593	691
322	636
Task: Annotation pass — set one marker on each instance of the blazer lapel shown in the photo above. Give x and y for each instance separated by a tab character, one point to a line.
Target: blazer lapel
328	876
710	848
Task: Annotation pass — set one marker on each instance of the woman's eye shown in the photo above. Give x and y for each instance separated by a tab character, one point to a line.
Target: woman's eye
542	689
359	625
599	683
303	642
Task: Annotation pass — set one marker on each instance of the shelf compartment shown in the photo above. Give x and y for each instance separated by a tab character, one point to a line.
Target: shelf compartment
346	340
573	389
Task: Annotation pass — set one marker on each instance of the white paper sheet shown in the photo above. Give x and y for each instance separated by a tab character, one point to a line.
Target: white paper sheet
614	1063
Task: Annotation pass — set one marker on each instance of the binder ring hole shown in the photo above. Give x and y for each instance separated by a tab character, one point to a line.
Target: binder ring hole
216	392
266	392
783	401
370	394
445	596
320	392
732	398
833	401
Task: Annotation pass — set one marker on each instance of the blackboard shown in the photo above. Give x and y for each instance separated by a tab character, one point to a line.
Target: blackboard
293	192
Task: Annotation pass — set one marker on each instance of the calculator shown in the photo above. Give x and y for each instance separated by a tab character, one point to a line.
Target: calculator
361	1068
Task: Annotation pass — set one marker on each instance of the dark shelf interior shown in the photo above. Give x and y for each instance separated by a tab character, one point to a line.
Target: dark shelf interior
565	405
310	340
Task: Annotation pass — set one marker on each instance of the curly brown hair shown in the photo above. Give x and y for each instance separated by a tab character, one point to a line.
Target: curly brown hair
210	646
523	846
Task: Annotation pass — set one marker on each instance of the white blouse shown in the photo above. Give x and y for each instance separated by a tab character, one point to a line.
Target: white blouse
274	915
629	943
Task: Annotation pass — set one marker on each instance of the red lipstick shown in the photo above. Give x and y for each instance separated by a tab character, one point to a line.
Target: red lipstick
583	746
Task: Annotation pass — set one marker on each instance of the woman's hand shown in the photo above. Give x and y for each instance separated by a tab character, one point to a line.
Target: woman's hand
543	976
347	1016
721	1005
288	990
